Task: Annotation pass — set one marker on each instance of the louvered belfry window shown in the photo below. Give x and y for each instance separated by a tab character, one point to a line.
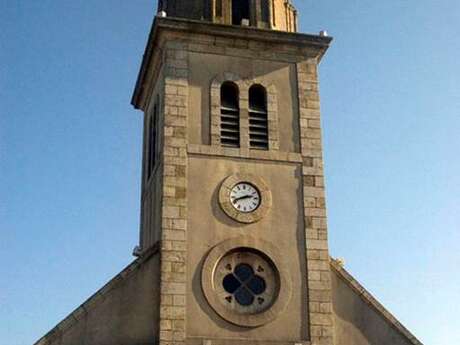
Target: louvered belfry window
241	9
152	141
258	118
265	11
229	115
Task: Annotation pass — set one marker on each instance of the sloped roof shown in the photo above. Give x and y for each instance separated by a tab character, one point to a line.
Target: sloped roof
372	301
100	295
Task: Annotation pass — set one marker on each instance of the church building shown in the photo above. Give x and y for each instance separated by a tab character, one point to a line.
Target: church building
233	229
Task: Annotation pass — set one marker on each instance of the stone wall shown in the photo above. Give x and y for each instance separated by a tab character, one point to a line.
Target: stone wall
288	69
174	198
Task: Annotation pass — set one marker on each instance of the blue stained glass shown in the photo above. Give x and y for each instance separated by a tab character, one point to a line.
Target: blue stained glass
244	272
257	285
244	297
244	285
231	284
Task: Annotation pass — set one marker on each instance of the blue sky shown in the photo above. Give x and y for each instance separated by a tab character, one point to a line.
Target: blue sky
70	153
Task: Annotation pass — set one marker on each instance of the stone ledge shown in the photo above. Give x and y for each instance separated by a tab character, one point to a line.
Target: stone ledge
76	315
367	296
242	32
218	151
199	340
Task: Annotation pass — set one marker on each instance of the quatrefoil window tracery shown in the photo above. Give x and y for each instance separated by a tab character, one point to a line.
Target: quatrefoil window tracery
244	285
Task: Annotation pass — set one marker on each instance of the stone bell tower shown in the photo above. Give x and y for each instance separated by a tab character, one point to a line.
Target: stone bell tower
233	186
233	237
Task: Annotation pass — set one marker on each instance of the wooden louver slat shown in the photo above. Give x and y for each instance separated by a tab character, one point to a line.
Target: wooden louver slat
229	116
258	118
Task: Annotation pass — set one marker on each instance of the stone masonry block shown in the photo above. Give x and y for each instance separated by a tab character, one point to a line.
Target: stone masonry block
174	235
326	308
316	331
312	234
320	296
314	276
170	312
319	285
319	319
173	288
317	244
173	256
315	212
320	265
166	324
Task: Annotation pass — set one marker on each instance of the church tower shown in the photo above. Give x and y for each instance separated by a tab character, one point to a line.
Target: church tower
233	186
233	238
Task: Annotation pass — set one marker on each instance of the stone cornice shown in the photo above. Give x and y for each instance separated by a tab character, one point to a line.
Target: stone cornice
319	43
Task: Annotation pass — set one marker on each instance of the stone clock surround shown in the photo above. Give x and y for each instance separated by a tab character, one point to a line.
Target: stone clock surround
256	181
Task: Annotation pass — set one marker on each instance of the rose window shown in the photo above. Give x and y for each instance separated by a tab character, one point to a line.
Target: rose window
246	281
244	285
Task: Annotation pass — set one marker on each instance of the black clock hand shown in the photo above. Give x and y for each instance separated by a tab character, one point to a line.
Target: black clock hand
242	198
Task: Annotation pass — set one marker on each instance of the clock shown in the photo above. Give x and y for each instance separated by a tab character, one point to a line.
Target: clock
245	197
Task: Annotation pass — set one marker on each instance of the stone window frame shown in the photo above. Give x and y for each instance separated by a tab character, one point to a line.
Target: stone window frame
244	85
280	266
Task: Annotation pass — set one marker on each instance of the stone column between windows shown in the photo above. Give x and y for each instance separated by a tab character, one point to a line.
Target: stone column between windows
174	197
244	117
272	113
227	11
319	275
256	8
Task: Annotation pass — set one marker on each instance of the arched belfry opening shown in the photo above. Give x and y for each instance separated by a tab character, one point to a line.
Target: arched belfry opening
264	14
241	10
265	11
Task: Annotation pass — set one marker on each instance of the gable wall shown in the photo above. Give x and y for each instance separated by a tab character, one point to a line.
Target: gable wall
127	314
359	323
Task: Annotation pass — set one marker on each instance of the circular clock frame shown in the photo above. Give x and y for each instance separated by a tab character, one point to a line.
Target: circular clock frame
245	217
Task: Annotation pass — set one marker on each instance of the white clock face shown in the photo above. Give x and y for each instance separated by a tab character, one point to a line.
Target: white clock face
245	197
